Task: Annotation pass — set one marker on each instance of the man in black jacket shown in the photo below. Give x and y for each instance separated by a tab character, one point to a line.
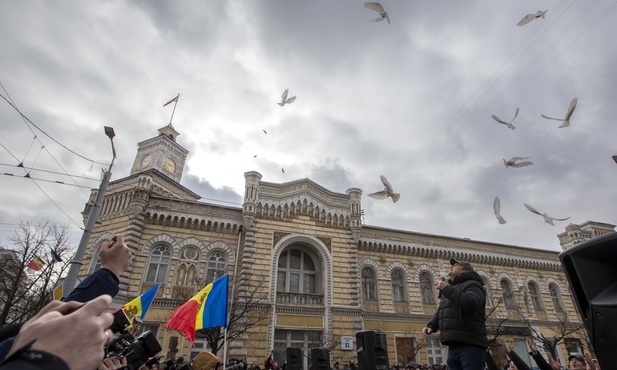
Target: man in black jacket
461	317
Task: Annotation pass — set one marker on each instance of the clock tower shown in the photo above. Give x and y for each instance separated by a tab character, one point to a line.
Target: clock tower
161	153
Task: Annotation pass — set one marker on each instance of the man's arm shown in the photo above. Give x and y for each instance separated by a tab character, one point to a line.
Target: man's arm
115	258
537	356
469	299
60	339
518	361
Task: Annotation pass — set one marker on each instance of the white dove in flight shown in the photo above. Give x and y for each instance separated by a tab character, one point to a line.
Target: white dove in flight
509	124
497	210
514	162
530	17
379	9
387	191
566	120
285	100
547	219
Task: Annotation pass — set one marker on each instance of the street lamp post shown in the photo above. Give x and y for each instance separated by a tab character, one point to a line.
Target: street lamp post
71	277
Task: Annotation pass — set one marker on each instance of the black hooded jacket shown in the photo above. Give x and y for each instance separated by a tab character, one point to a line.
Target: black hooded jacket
461	316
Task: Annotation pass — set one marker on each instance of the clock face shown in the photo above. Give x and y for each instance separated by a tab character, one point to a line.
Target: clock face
145	161
169	165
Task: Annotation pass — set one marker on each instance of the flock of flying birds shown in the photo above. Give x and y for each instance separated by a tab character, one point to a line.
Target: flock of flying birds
514	162
517	162
377	7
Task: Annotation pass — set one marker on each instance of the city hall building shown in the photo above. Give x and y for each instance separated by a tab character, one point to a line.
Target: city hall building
310	272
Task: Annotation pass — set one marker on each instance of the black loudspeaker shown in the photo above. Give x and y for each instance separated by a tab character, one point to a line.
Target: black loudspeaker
320	359
294	358
372	350
591	269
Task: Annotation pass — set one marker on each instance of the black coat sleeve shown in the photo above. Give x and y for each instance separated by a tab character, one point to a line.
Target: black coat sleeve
10	331
490	362
100	282
33	360
541	361
470	299
518	361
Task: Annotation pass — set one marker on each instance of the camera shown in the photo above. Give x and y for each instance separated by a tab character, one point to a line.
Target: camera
137	351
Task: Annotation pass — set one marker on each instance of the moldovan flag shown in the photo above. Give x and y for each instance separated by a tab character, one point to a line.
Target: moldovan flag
35	265
207	309
139	306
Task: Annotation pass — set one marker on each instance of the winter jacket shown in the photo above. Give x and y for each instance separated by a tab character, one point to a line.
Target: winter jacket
461	316
541	361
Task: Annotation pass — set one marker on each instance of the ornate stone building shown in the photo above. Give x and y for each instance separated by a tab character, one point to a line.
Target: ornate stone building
323	275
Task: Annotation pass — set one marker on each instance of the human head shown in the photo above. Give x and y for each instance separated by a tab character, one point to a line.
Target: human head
337	365
459	267
576	361
205	360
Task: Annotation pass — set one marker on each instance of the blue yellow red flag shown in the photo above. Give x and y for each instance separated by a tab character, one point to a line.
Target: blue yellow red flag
207	309
140	305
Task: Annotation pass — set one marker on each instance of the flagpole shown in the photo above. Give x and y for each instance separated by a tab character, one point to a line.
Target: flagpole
225	345
175	103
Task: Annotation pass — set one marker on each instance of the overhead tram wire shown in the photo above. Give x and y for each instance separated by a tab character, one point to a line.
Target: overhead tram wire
46	134
45	180
413	181
47	171
449	152
26	121
47	195
468	103
533	78
520	75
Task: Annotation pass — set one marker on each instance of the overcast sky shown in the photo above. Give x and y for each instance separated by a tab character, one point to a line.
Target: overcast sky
411	100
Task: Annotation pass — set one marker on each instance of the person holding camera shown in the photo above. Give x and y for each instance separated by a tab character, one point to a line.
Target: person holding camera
115	258
63	337
112	363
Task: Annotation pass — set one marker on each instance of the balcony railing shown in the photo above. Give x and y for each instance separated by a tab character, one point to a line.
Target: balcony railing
299	299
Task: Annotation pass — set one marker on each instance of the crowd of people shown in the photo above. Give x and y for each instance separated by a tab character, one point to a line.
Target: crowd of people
71	334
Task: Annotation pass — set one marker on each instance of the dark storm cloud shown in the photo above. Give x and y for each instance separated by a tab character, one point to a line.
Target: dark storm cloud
209	193
330	174
411	100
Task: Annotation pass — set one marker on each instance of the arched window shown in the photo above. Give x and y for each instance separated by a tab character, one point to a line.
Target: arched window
426	288
369	284
158	264
296	272
95	264
186	275
489	293
217	263
535	296
508	295
556	298
398	286
187	267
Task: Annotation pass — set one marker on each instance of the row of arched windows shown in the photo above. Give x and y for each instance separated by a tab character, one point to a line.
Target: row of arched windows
428	290
187	266
299	271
